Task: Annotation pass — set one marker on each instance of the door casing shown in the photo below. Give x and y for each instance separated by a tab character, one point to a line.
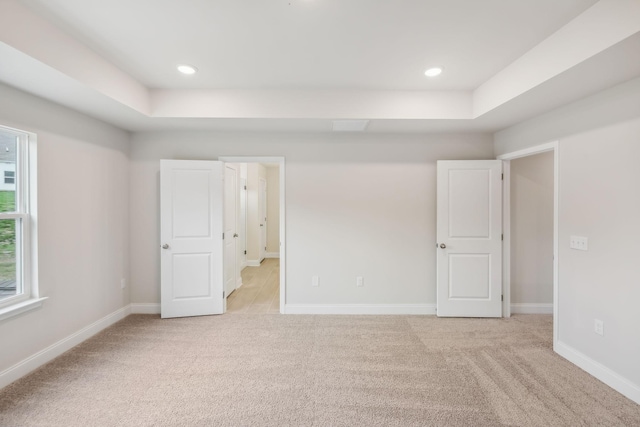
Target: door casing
506	249
280	160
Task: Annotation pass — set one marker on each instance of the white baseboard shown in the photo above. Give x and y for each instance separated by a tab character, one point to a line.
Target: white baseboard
253	263
239	282
145	308
531	308
272	255
598	370
33	362
360	309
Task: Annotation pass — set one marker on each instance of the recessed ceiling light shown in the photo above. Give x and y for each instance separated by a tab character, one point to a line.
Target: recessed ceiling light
187	69
432	72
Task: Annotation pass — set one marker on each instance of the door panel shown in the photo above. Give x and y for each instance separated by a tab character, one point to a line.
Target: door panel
230	229
263	219
192	273
469	276
191	238
469	208
191	204
469	234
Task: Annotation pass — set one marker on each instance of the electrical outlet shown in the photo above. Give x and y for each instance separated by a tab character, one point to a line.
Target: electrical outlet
315	281
578	242
359	281
598	327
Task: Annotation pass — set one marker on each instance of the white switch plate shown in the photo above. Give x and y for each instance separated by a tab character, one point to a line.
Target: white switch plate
359	281
598	327
579	242
123	283
315	281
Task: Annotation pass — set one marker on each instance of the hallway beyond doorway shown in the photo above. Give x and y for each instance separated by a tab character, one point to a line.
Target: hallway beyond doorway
260	292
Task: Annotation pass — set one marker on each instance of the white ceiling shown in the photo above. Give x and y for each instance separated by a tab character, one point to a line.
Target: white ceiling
295	65
311	44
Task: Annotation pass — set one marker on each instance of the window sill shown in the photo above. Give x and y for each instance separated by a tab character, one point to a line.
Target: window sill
22	307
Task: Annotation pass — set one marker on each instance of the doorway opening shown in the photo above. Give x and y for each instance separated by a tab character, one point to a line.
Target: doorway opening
258	274
530	267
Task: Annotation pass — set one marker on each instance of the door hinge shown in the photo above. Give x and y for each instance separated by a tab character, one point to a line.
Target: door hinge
245	252
245	187
223	295
222	236
502	237
501	297
502	177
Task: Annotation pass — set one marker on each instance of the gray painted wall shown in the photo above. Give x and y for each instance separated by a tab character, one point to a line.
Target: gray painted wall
356	205
599	149
83	223
532	229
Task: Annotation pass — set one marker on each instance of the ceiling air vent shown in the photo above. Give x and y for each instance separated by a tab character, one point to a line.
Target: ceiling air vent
350	125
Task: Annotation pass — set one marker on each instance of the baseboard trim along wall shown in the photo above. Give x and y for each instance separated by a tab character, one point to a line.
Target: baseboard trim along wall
145	308
252	263
272	255
531	308
598	370
360	309
33	362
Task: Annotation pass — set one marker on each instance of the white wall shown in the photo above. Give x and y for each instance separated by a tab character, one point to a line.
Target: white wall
600	199
604	108
355	205
83	208
532	229
599	149
273	210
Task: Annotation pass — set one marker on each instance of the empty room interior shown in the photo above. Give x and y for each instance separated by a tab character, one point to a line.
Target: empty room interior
313	212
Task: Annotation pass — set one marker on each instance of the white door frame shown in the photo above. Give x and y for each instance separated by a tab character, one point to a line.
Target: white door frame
281	164
506	249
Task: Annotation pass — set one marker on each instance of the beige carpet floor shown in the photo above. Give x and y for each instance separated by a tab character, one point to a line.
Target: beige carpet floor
276	370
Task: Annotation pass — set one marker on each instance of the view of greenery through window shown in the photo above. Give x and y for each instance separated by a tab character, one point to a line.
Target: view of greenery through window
7	205
7	239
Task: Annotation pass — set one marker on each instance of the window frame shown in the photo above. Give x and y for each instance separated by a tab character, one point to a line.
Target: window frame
26	244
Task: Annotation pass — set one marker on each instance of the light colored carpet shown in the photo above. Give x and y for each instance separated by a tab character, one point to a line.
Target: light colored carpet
275	370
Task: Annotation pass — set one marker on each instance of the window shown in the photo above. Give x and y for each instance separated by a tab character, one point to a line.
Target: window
9	177
18	284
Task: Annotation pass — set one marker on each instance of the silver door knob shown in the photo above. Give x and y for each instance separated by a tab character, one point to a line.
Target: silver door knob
261	225
442	246
235	235
165	246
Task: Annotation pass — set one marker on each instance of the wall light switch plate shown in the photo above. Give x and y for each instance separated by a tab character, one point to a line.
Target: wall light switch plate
315	281
579	242
359	281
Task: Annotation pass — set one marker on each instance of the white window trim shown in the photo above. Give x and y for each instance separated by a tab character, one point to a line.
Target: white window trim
26	209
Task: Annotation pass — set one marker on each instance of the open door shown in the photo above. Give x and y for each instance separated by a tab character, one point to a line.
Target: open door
231	270
191	218
469	235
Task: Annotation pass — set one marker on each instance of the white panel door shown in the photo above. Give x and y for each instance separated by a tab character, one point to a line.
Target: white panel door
230	229
469	234
191	217
263	218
